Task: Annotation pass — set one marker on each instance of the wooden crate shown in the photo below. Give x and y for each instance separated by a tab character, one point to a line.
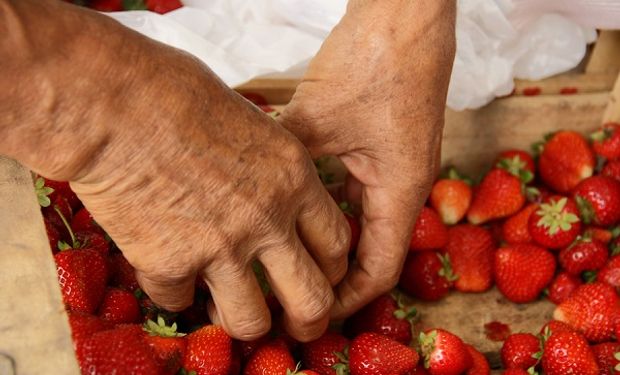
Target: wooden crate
35	333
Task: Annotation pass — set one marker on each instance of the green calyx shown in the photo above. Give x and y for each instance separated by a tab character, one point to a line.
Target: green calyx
602	135
346	208
554	218
42	192
427	345
446	268
161	328
617	358
589	276
452	174
409	313
517	168
585	209
134	5
342	368
75	244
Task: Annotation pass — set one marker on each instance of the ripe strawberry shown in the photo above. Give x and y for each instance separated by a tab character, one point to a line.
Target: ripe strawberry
303	372
83	221
451	198
93	240
555	224
52	235
516	160
384	315
523	271
612	169
600	234
118	351
426	275
554	326
583	255
418	370
598	198
248	347
429	232
123	273
272	357
82	274
606	357
107	5
565	161
568	353
610	273
374	354
480	365
163	6
471	251
562	287
606	141
515	228
499	195
515	371
592	309
119	306
325	352
210	351
84	325
444	353
167	344
518	351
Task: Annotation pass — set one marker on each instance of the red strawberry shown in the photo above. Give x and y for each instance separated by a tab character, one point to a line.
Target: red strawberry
93	240
210	351
517	160
568	353
499	195
471	251
444	353
555	224
304	372
107	5
384	315
52	235
515	371
163	6
612	169
59	206
325	352
518	351
606	142
271	358
583	255
248	347
515	228
565	161
598	198
610	273
82	274
84	325
480	365
451	198
118	351
418	370
600	234
426	275
429	232
168	345
592	309
374	354
523	271
83	221
562	287
123	273
554	326
606	355
119	306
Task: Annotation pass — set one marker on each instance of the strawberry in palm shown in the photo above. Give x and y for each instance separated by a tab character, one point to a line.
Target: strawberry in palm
325	352
427	275
565	161
555	223
429	232
374	354
451	198
444	353
598	198
471	251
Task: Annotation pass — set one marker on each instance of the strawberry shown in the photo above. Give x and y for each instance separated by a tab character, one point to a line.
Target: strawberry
610	273
107	5
62	189
418	370
272	357
167	344
554	326
354	224
303	372
606	141
385	315
59	206
565	160
612	169
515	371
84	326
592	309
598	198
83	221
555	224
568	353
118	351
499	195
93	240
123	273
427	275
444	353
523	271
372	353
82	274
119	306
471	251
451	198
515	228
248	347
163	6
600	234
607	357
210	351
518	351
583	255
516	160
480	365
562	287
429	232
325	352
52	235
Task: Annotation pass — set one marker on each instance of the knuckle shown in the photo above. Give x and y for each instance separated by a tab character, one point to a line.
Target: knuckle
250	328
314	310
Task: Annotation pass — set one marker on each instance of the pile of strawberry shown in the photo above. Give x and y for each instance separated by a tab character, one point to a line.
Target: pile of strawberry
530	227
158	6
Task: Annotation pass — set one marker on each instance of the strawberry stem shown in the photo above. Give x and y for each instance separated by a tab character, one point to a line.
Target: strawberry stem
75	244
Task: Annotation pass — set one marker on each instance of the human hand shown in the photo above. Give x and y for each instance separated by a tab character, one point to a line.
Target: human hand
374	96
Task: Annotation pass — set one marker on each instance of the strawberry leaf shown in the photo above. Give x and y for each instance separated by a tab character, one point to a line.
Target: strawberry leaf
42	192
134	5
589	276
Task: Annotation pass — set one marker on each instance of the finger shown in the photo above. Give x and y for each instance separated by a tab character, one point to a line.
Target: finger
325	233
173	294
238	302
353	190
303	291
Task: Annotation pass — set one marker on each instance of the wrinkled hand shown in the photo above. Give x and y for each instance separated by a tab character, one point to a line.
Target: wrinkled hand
374	96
